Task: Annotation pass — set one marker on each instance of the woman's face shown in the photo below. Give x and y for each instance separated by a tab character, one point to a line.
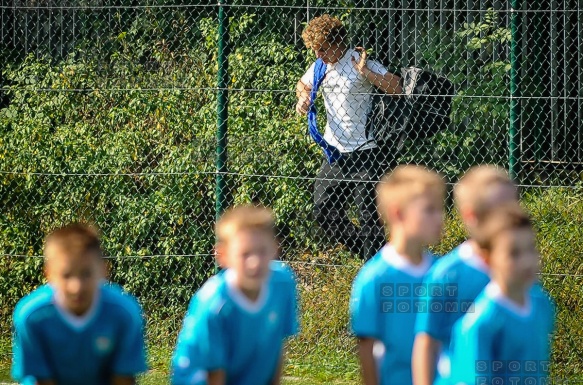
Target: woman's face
329	53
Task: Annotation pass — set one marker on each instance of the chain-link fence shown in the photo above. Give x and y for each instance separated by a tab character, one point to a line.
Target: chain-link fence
148	118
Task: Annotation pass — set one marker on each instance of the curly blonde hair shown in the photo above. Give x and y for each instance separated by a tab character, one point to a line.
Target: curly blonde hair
324	29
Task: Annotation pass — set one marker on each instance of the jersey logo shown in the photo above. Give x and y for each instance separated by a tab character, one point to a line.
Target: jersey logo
183	362
103	344
272	317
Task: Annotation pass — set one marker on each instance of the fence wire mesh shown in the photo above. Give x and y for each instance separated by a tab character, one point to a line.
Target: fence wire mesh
109	109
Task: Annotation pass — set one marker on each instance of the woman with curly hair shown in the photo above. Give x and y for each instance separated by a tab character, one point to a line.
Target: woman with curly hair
349	82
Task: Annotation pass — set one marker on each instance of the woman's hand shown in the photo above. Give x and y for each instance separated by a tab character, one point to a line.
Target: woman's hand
303	105
360	65
303	95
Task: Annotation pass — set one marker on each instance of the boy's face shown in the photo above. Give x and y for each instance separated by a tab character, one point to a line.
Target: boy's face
514	259
422	219
74	277
249	253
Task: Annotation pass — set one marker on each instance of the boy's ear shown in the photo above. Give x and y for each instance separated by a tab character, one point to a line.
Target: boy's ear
106	268
395	213
220	254
469	217
486	256
46	269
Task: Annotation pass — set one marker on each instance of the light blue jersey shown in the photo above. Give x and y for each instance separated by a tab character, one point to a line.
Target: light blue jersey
52	344
386	296
501	342
452	285
223	330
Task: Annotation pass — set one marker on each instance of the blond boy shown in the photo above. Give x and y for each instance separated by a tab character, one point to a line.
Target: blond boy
77	329
456	279
236	324
507	339
385	294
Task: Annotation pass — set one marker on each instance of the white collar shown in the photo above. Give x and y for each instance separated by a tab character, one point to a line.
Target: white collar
495	293
241	299
75	321
399	262
467	254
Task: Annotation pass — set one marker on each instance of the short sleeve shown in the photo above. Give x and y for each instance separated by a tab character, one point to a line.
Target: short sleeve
308	77
130	355
551	315
473	344
364	308
434	319
291	327
187	363
200	347
29	362
376	67
548	305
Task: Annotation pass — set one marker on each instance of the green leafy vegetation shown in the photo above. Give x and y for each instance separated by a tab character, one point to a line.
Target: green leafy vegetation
124	136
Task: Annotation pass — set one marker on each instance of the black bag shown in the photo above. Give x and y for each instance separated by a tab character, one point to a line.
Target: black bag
420	113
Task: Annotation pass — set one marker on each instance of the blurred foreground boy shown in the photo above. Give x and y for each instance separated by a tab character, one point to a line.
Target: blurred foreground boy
507	339
236	324
455	280
77	329
385	293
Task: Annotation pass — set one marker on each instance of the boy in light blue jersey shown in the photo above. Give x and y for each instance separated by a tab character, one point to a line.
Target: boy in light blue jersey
507	339
236	324
455	280
386	294
77	329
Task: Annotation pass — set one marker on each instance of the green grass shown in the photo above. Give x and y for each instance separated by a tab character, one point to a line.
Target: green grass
159	378
4	375
155	378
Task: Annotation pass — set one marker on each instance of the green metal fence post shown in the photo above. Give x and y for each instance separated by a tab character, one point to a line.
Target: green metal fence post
222	109
514	128
222	112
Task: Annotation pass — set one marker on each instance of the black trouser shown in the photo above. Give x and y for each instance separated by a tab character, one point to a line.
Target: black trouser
354	176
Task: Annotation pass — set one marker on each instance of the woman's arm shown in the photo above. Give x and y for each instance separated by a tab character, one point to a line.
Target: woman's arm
388	83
